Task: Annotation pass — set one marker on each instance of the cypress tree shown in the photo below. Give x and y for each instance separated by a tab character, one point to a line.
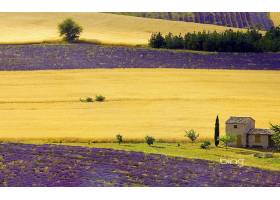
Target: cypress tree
217	131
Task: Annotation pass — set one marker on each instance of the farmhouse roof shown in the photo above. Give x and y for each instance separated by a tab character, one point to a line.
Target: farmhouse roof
260	131
239	120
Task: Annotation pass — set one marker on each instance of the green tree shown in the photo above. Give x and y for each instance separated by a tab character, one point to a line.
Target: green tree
149	140
217	131
227	139
70	30
100	98
192	135
275	128
119	138
157	40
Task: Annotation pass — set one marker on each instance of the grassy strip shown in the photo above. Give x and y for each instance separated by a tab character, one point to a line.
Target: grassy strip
193	151
108	45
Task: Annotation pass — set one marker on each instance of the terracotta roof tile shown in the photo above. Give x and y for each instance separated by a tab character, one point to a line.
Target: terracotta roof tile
239	120
260	131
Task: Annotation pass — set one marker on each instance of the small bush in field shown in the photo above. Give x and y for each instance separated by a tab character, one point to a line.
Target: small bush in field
87	99
205	145
119	138
227	139
192	135
99	98
149	140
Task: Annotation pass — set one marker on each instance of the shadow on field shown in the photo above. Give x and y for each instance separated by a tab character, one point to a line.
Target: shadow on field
158	147
127	145
244	152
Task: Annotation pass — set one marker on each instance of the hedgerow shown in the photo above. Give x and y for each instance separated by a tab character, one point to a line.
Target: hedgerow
229	41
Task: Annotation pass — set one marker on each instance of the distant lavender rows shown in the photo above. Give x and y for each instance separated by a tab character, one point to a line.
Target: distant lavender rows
57	165
81	56
234	19
230	19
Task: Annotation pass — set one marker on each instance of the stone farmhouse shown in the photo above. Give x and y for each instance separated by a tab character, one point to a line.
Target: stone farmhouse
243	128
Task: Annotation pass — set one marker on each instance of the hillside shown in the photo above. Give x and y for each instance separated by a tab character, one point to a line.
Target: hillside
104	27
228	19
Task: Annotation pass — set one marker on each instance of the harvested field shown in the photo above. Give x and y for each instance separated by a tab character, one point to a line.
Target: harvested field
101	27
158	102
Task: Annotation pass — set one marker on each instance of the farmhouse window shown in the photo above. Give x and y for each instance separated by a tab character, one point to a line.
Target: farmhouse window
257	138
234	126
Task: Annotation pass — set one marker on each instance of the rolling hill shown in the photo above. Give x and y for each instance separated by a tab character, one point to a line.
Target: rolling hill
103	27
262	20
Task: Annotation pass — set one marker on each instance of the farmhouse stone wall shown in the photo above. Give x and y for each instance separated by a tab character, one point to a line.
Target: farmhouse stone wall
241	130
264	141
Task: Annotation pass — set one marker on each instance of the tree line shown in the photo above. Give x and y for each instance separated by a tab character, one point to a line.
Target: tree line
228	41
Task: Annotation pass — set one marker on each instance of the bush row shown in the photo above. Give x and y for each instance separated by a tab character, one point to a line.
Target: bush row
229	41
90	99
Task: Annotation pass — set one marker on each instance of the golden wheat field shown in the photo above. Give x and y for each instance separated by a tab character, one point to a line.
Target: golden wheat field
275	17
103	27
158	102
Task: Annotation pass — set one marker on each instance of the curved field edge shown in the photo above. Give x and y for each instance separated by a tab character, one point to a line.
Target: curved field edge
242	156
105	28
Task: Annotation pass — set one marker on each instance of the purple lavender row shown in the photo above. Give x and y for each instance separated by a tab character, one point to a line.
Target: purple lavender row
223	18
238	19
228	19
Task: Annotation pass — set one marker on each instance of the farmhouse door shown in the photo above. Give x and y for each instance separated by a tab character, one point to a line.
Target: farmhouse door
239	141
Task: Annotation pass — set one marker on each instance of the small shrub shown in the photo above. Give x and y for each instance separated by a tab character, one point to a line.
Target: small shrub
119	138
227	139
99	98
87	99
70	30
205	145
149	140
192	135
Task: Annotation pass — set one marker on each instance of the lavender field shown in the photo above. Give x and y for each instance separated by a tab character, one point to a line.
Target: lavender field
230	19
76	56
57	165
